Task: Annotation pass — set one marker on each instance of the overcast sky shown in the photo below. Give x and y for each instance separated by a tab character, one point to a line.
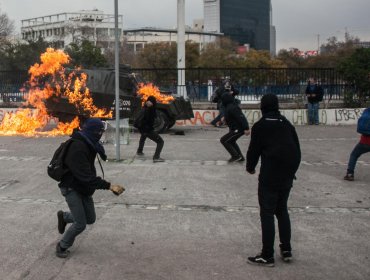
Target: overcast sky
297	22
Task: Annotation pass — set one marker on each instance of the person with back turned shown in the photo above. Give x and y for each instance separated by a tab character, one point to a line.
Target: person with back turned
275	141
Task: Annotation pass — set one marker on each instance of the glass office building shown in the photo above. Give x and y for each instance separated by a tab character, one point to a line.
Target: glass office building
244	21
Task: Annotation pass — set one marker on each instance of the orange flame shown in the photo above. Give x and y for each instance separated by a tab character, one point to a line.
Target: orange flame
150	90
49	79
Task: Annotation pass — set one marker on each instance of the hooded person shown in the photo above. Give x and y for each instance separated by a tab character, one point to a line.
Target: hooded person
275	141
80	182
147	129
238	126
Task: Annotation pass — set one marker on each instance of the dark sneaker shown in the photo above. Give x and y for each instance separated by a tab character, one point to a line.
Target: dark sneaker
349	177
259	260
286	256
237	158
139	153
60	252
158	159
61	223
240	159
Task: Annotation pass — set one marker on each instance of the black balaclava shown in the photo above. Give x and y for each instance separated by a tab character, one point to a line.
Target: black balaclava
153	100
269	103
92	130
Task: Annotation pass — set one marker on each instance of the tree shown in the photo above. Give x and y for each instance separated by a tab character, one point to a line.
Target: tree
86	55
20	56
219	54
291	58
356	71
6	26
158	55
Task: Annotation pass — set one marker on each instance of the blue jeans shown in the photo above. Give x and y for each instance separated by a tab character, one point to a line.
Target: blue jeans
356	153
82	213
273	202
313	113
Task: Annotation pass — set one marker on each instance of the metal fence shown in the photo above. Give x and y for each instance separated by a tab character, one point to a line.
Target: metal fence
252	83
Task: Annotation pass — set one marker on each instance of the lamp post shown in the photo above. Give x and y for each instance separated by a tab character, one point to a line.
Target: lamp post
116	67
181	89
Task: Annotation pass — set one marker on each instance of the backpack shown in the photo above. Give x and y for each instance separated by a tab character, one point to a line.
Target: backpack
363	123
139	120
56	168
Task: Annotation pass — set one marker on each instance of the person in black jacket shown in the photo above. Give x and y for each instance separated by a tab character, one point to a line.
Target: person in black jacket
314	93
147	129
275	141
226	88
80	182
238	126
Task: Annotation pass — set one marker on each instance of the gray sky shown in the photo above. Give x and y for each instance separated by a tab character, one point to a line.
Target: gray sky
297	22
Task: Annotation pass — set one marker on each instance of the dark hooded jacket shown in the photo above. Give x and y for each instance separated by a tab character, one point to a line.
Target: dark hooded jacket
234	116
150	114
274	139
80	161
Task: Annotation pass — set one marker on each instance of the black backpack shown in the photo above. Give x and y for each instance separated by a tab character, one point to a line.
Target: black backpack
139	120
56	168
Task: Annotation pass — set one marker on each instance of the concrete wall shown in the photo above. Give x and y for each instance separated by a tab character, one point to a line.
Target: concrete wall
341	116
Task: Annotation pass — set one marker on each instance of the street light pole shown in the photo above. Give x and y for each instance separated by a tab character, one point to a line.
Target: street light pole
116	67
181	89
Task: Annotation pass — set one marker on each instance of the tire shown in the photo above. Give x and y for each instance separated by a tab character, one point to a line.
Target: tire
161	122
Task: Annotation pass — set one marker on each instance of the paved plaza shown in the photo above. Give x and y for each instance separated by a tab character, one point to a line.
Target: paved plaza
193	217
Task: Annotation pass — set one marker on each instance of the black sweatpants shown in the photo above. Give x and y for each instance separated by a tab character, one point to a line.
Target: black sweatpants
229	142
154	136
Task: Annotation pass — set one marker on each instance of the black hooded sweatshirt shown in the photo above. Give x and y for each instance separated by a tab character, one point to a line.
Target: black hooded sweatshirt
150	114
274	139
234	116
80	161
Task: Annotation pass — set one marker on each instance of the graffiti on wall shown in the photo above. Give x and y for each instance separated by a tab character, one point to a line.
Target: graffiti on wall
348	114
295	116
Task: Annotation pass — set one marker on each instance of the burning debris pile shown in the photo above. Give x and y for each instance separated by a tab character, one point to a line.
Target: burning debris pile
50	79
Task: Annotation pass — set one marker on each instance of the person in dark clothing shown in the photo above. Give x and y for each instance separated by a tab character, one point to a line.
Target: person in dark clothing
238	126
80	182
275	141
147	129
314	95
228	88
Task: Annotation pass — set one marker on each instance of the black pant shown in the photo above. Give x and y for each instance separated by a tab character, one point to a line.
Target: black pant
154	136
229	142
274	202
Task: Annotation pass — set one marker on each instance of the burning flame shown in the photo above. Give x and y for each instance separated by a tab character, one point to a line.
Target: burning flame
150	90
49	79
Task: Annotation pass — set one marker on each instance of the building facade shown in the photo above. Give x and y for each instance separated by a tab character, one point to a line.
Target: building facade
65	28
139	37
244	21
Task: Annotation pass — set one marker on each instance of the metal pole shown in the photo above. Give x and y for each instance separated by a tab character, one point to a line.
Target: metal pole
181	89
116	67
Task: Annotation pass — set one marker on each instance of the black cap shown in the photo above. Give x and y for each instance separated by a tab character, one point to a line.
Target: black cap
269	103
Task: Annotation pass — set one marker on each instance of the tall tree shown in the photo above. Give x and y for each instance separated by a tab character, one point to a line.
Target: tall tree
356	71
20	56
86	55
6	26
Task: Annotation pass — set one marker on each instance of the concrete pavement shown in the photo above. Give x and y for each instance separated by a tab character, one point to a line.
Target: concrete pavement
192	217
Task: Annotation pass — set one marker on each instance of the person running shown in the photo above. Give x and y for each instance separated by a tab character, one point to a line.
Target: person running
80	182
